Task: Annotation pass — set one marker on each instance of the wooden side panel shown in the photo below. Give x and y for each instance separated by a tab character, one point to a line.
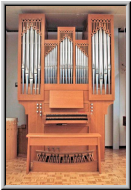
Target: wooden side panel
66	99
97	123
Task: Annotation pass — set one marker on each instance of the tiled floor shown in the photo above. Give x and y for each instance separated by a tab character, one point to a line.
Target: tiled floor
113	173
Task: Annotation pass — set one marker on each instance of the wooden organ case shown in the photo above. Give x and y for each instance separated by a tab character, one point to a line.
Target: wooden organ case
66	86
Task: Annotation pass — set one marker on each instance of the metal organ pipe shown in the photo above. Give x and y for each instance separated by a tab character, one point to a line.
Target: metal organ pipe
68	65
53	61
63	60
66	58
27	59
71	63
35	62
93	63
23	63
39	66
76	63
80	65
105	59
31	59
84	69
100	60
56	65
46	69
97	67
109	64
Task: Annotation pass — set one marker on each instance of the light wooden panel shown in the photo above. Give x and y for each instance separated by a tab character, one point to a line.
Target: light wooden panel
75	167
66	99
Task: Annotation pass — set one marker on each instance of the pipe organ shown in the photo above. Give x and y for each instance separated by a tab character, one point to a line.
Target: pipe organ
66	84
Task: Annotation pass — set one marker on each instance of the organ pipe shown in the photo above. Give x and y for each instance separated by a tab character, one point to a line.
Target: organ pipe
71	63
68	61
23	63
39	66
76	64
27	60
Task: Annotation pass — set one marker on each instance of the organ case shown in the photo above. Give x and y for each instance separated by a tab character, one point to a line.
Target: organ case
66	85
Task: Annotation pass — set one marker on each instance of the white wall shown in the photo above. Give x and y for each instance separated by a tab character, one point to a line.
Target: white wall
122	52
115	132
13	108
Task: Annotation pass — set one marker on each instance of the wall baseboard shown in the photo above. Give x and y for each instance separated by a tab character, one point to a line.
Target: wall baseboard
122	147
111	147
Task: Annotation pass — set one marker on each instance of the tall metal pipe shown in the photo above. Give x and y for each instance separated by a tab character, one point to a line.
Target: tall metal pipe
66	59
27	79
71	63
100	60
109	63
68	65
35	78
31	59
35	62
27	60
84	70
46	69
87	69
105	59
23	62
51	60
38	80
31	51
93	63
63	59
49	67
53	65
80	66
61	53
39	65
56	66
97	66
78	51
76	63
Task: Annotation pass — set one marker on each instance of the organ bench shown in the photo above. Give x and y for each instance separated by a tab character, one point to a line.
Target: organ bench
60	139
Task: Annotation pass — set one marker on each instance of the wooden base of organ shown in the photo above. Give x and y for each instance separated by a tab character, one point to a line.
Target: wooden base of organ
59	82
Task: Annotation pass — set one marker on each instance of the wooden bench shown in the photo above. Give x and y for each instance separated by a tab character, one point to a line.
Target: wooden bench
66	139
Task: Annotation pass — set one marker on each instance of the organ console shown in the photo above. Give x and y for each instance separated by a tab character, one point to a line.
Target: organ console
66	86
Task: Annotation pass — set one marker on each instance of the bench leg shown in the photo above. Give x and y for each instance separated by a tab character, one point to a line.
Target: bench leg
28	158
99	156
